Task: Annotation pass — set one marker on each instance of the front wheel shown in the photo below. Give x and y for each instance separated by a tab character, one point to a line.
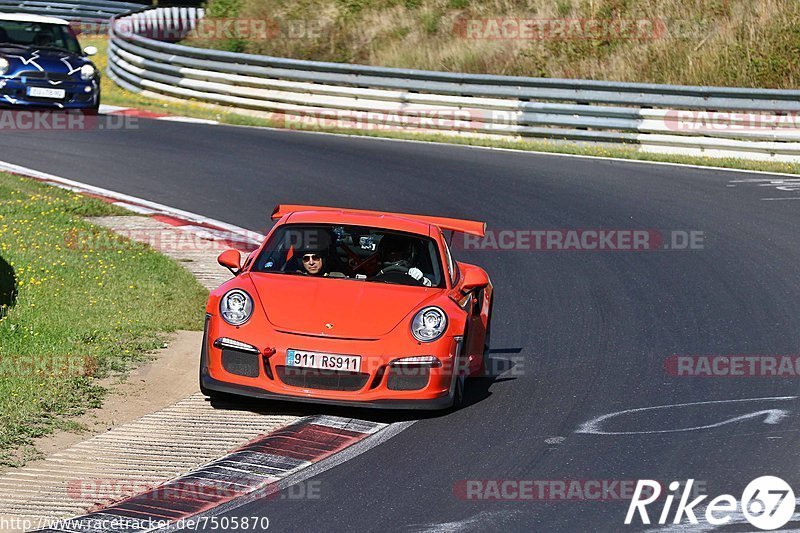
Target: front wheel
485	370
95	109
458	393
204	391
210	394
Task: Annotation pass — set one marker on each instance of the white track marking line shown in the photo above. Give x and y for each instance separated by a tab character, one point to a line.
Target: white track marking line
188	120
105	109
772	416
140	202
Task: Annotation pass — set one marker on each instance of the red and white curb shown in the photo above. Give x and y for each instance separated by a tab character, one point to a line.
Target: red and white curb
203	227
127	460
251	472
143	113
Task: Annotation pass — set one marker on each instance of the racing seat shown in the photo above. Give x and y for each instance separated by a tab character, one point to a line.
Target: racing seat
294	264
420	258
392	248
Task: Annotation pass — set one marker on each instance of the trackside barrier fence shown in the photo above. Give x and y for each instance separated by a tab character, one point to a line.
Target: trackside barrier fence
144	57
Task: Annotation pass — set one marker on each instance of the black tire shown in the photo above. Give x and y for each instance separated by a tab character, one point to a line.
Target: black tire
95	109
210	394
206	392
487	345
458	393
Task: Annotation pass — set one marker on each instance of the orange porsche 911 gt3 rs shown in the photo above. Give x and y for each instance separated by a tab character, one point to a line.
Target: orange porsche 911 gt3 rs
349	307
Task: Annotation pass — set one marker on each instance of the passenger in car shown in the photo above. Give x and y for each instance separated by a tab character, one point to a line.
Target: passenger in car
397	255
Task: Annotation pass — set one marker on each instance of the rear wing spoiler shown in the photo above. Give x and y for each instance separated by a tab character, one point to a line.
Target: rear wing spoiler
471	227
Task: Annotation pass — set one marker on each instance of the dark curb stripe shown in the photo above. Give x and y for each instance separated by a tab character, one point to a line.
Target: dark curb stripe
255	467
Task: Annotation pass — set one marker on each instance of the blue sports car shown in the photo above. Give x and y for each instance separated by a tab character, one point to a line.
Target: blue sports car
42	65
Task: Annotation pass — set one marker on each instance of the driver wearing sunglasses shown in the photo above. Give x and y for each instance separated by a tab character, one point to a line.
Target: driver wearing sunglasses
313	264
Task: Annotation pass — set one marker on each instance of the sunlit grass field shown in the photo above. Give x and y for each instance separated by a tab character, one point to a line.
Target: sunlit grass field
739	43
78	303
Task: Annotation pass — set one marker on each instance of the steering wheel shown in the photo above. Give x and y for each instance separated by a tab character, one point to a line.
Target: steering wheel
399	275
394	268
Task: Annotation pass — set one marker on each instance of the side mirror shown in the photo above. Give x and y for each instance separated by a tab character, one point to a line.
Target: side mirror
231	259
90	50
474	278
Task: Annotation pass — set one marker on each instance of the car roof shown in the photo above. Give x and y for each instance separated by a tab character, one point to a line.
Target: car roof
351	218
24	17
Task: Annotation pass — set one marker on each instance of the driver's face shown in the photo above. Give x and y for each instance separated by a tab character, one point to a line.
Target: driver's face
312	263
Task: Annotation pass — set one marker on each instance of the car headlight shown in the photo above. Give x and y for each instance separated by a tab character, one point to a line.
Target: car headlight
429	324
236	307
4	64
88	71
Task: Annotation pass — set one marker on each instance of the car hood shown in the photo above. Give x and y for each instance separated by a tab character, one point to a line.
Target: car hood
338	308
31	58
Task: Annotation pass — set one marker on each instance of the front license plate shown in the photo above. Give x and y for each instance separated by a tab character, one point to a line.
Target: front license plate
325	361
45	92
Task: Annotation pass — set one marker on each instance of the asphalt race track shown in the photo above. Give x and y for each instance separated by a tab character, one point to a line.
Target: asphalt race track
584	333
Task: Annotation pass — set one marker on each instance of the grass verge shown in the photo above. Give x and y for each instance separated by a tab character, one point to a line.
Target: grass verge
77	303
115	95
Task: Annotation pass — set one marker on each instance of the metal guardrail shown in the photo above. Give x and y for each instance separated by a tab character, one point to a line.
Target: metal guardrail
72	10
712	121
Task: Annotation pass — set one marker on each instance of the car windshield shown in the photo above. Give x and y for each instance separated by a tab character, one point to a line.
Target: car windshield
352	252
38	34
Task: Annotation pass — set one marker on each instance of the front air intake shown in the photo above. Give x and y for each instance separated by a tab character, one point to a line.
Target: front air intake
240	363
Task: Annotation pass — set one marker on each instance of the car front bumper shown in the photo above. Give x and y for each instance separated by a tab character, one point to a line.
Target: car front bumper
78	94
265	379
210	383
